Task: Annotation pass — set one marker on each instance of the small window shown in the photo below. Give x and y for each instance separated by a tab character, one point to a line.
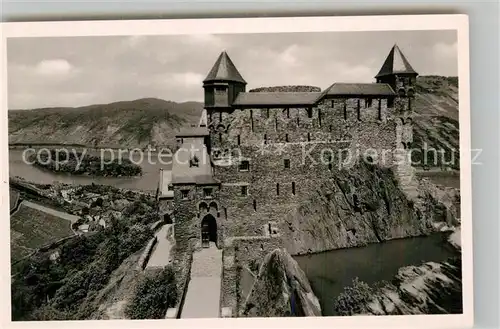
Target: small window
286	138
379	109
251	119
244	165
390	102
287	163
255	205
185	194
287	110
345	109
244	190
309	113
358	112
277	189
308	137
330	128
333	103
368	102
239	140
293	188
208	193
265	138
267	113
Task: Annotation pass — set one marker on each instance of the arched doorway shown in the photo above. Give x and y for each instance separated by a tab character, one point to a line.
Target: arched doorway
167	219
208	230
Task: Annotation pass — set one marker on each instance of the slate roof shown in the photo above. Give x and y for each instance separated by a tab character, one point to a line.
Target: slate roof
361	89
193	132
184	173
224	70
395	63
265	99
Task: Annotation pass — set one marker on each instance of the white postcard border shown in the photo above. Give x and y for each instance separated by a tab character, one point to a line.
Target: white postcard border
257	25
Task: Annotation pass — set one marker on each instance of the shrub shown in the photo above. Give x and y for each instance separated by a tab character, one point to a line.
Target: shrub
353	299
153	296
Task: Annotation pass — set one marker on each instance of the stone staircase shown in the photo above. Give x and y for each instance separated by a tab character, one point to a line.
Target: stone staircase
203	294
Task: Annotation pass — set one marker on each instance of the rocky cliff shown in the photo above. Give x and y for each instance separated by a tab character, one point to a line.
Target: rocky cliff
362	205
432	288
281	289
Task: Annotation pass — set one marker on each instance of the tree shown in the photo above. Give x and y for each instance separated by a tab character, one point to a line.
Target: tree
354	299
153	296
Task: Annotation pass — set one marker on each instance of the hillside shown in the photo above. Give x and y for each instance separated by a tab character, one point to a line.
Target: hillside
436	121
121	124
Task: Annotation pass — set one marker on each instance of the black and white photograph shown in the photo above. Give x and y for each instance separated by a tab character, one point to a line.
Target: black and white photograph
204	175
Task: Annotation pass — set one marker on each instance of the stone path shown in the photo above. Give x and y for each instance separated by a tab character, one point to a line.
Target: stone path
160	257
53	212
203	294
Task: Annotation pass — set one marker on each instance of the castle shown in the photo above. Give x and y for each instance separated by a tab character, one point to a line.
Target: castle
256	154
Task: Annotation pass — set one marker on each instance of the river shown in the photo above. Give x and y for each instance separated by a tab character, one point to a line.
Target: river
329	272
147	182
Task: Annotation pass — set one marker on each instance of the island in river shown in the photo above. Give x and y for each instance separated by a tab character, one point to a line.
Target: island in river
81	163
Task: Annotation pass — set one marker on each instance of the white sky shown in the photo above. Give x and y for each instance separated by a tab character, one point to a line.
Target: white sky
76	71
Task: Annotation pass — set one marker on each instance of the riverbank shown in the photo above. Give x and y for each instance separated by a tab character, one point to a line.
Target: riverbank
330	272
430	288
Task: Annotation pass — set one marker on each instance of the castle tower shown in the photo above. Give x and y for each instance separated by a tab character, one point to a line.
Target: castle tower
398	73
222	85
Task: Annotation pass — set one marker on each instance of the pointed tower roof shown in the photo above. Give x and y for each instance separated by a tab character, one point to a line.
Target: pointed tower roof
224	69
395	63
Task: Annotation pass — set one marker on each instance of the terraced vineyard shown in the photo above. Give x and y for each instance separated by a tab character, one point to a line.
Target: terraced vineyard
31	229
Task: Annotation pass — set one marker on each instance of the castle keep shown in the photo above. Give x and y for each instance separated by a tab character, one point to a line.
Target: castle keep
256	154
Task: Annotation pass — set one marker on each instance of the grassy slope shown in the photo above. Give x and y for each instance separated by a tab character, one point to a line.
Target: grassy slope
121	124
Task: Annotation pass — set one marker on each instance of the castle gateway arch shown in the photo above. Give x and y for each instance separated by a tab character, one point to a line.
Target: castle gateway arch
208	230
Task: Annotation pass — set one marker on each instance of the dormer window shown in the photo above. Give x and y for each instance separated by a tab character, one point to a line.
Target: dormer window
244	165
194	162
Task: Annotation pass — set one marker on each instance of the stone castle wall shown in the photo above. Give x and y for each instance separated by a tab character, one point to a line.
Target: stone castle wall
189	214
307	139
